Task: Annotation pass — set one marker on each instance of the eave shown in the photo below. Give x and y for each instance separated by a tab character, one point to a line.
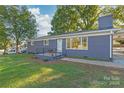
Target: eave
82	34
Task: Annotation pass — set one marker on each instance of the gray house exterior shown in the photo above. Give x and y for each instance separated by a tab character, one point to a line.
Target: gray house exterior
91	44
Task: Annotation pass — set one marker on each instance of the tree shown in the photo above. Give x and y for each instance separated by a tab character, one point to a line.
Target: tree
4	31
64	20
118	14
4	38
121	41
16	24
22	24
89	15
74	18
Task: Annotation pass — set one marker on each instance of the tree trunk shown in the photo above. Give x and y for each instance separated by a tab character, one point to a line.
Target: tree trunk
17	49
5	47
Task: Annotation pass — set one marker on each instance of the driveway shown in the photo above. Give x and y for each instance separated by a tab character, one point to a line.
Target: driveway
99	63
118	55
118	58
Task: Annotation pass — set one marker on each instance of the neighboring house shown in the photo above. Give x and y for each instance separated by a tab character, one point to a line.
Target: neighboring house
1	52
21	47
93	44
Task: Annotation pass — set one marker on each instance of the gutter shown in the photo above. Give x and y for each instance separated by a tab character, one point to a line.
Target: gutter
82	34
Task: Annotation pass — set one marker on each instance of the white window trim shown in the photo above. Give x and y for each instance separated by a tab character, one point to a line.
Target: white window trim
81	44
66	42
87	43
44	42
32	43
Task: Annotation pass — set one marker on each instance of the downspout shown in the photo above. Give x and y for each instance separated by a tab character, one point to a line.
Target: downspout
111	46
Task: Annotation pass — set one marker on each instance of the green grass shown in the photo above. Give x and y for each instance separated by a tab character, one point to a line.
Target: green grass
24	71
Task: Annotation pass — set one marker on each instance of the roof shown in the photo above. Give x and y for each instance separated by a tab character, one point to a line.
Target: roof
81	33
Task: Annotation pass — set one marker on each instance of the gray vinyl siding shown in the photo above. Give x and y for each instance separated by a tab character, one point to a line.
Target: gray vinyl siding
38	46
53	45
105	22
98	47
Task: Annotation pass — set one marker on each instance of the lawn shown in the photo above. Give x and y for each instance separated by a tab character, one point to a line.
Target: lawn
26	71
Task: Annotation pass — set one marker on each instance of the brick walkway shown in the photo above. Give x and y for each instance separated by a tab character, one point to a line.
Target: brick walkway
99	63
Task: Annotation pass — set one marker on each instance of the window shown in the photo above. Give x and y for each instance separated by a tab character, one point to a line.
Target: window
77	43
84	43
45	42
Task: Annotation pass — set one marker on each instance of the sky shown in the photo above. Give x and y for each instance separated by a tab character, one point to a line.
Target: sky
43	14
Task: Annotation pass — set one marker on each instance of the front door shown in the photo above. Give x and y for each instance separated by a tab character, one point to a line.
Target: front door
59	45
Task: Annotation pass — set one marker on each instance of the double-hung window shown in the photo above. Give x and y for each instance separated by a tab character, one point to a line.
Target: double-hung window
84	43
77	43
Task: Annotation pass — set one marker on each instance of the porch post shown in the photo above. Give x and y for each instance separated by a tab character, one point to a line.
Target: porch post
111	47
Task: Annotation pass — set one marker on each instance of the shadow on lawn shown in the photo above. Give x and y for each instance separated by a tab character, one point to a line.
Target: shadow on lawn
43	76
24	75
20	72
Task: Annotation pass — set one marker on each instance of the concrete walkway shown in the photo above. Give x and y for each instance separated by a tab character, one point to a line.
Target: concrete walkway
99	63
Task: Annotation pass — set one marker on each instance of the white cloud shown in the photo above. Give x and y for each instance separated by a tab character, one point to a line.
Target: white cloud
35	11
43	21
